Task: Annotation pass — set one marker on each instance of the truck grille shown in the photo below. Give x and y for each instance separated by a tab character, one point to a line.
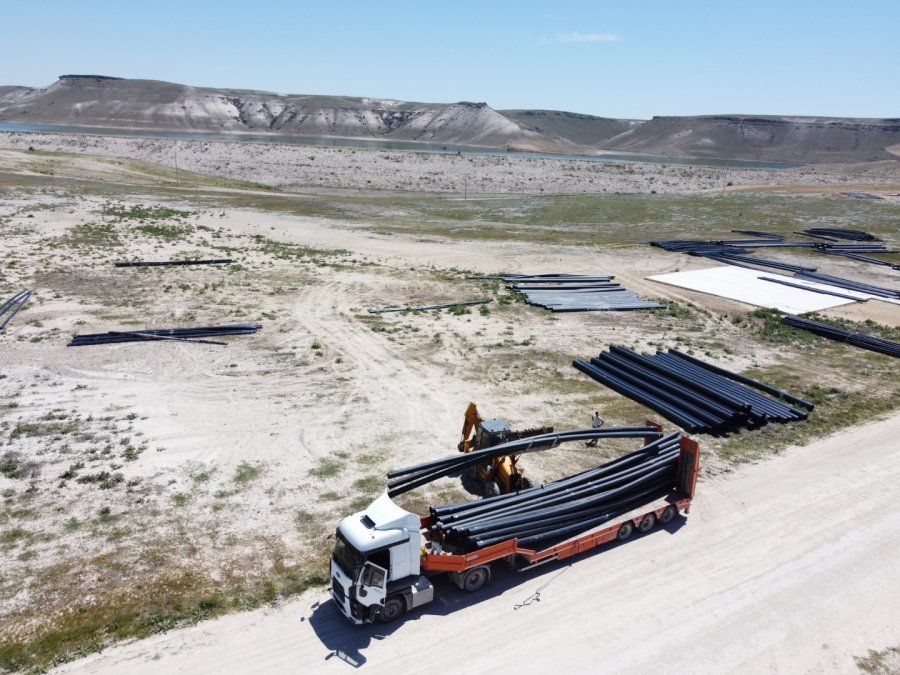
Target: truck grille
337	591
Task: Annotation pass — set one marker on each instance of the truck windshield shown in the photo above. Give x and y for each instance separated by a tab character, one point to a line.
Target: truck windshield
347	557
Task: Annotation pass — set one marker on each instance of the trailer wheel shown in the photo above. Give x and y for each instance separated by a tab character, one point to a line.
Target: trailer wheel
668	514
475	578
491	489
625	531
393	609
647	523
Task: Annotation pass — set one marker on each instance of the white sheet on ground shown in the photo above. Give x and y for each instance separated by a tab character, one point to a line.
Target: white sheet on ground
744	285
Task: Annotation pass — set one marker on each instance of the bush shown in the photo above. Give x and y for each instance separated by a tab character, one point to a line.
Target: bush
12	467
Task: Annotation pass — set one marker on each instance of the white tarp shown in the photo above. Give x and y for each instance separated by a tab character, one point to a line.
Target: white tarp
744	285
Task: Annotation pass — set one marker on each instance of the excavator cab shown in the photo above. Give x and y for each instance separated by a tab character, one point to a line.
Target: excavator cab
501	474
491	433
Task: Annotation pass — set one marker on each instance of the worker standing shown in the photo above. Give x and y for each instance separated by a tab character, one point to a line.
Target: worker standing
596	423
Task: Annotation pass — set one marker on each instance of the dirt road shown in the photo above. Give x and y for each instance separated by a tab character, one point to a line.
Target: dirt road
765	575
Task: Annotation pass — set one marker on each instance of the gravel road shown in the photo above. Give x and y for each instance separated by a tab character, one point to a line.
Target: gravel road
765	575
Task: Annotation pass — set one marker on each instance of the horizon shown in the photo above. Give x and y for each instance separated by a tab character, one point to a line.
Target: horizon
488	103
580	57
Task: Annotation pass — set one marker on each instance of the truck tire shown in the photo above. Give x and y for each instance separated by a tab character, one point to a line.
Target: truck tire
668	514
625	531
394	607
647	523
475	578
491	489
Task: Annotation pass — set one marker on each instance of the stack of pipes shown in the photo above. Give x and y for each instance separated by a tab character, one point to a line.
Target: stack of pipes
12	306
404	480
735	251
176	334
843	335
565	507
863	258
575	292
697	396
850	285
839	233
165	263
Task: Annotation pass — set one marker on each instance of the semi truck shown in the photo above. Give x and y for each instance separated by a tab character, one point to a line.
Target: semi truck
384	557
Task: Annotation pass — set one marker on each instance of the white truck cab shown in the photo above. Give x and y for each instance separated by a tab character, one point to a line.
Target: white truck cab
375	567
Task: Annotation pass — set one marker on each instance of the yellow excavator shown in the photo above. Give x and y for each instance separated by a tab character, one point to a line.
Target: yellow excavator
502	474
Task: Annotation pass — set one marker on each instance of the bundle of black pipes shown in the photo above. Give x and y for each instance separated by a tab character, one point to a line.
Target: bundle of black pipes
750	261
12	306
853	248
840	233
163	334
697	396
166	263
863	258
699	247
735	251
843	335
576	292
555	278
814	289
761	234
850	285
404	480
565	507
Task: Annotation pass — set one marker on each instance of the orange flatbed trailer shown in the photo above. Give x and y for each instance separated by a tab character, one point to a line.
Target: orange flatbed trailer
435	560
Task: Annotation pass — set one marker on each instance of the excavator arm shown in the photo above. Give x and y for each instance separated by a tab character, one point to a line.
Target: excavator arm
471	422
500	474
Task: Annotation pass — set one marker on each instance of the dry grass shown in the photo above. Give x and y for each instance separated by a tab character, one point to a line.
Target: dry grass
119	534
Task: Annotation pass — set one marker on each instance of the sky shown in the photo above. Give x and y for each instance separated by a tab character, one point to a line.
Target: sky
610	59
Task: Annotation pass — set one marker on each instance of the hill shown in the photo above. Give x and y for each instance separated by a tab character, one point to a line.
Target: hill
102	101
91	100
804	140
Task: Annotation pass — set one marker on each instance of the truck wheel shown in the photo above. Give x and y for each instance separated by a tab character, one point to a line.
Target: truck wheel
491	489
475	578
625	531
393	609
647	523
668	514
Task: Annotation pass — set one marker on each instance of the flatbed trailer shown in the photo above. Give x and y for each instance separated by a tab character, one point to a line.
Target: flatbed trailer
378	575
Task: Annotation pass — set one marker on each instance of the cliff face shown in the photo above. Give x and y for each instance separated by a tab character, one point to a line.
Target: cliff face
95	100
9	95
101	101
777	139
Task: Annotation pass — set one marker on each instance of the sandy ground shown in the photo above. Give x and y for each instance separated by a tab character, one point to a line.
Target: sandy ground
295	166
788	566
316	386
324	380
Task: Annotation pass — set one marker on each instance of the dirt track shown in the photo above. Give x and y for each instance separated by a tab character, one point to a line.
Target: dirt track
766	574
325	381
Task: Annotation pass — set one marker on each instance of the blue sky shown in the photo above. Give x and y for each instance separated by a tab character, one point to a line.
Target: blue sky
613	59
